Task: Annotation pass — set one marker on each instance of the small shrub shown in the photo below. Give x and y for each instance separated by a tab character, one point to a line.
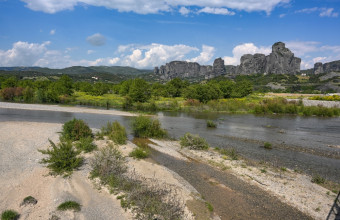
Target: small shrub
209	206
194	142
86	145
211	124
9	215
318	179
231	153
62	158
69	205
75	129
267	146
146	127
118	133
139	153
29	200
284	169
263	170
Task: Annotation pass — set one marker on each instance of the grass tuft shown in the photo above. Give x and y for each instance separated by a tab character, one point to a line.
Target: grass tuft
211	124
10	215
69	205
267	146
194	142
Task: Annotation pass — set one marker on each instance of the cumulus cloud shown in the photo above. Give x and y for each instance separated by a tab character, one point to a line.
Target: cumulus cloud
139	56
216	11
205	56
184	11
323	12
96	39
52	32
154	6
23	54
246	48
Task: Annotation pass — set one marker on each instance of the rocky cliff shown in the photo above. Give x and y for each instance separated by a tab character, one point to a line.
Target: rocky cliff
183	69
327	67
280	61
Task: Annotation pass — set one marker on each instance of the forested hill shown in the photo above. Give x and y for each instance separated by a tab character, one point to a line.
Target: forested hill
121	70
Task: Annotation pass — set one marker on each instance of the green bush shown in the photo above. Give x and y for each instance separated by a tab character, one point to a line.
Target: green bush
211	124
145	127
69	205
62	158
194	142
9	215
86	144
267	146
118	133
75	129
29	200
231	153
318	179
139	153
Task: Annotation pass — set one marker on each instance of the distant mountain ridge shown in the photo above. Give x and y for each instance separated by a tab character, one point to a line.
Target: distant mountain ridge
122	70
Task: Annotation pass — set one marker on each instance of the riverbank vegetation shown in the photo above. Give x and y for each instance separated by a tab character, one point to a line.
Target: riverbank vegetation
240	95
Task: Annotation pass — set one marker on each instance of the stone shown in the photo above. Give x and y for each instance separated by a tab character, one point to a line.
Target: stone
252	64
318	68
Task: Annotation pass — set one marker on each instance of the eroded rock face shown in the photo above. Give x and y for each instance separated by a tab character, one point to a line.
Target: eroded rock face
183	69
280	61
327	67
252	64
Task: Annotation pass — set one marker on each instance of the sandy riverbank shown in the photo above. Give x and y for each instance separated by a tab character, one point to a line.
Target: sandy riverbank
22	175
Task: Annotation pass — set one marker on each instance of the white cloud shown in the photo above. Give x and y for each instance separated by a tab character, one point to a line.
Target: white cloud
216	11
328	12
246	48
90	51
139	56
323	12
23	54
184	11
96	39
205	56
153	6
52	32
282	15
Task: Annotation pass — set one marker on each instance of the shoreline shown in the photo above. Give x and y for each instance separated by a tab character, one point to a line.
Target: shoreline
58	108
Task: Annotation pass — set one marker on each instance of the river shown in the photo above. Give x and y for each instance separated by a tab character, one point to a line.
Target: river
307	144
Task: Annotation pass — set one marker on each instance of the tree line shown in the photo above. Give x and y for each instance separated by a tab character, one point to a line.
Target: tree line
62	89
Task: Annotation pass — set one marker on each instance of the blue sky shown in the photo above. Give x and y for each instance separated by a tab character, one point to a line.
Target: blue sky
148	33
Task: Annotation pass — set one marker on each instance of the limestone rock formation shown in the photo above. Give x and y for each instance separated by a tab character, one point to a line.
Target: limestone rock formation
183	69
252	64
280	61
327	67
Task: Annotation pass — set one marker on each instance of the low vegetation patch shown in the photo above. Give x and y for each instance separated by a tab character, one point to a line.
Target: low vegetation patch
267	146
86	144
194	142
231	153
75	129
146	198
117	133
9	215
318	179
69	205
29	200
62	158
140	153
145	127
211	124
